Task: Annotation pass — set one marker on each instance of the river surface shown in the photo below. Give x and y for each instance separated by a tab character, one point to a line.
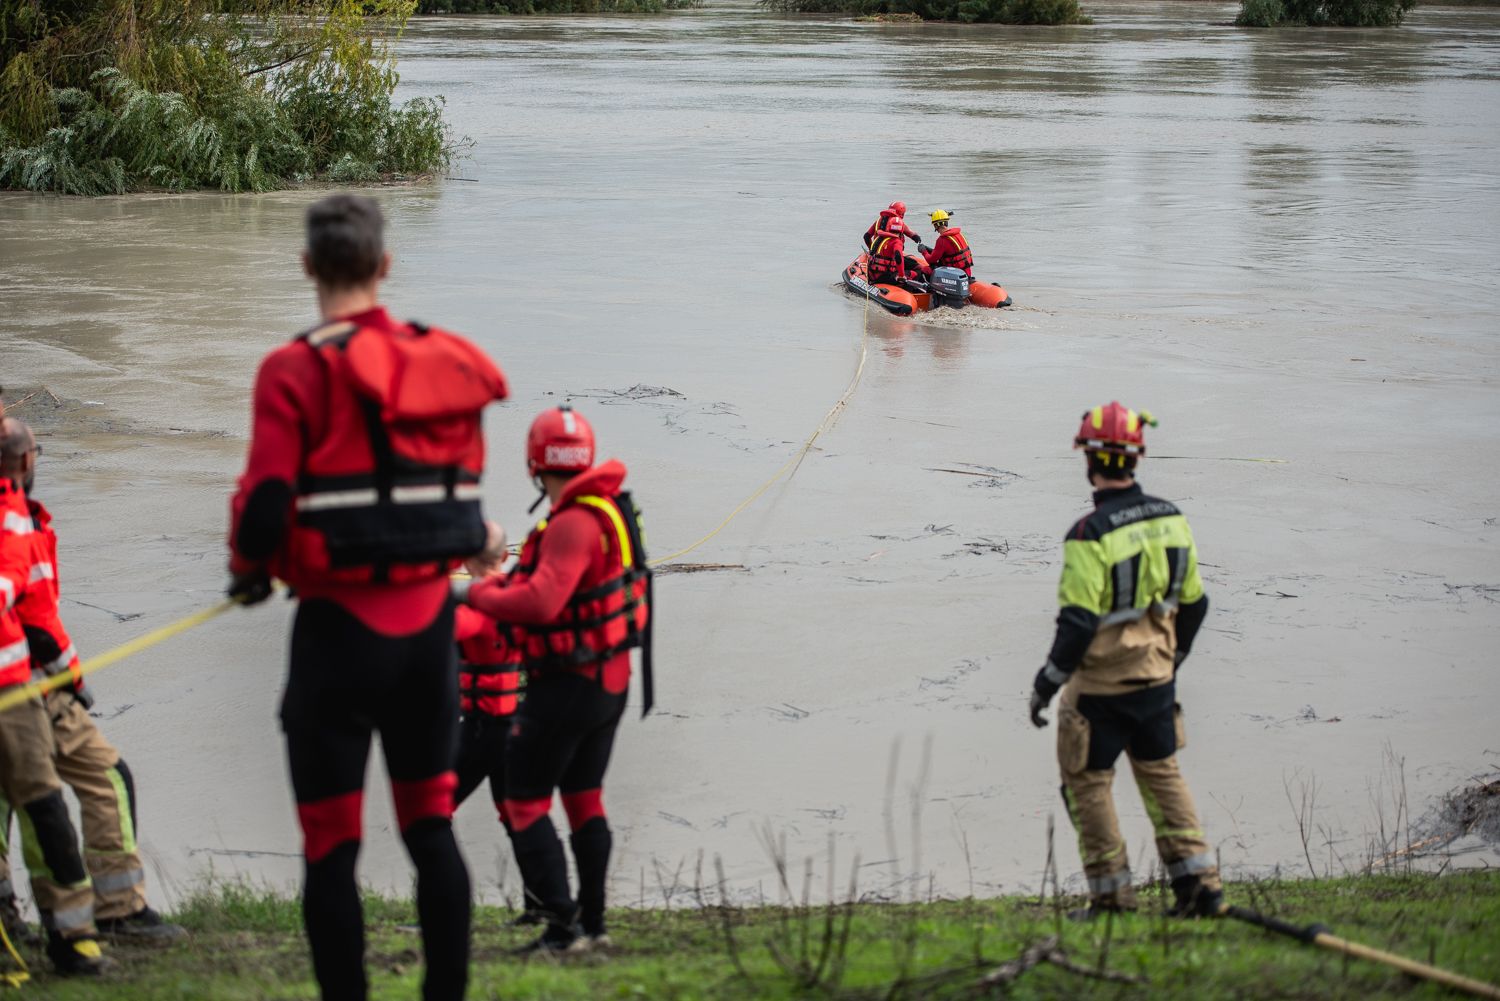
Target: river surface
1283	243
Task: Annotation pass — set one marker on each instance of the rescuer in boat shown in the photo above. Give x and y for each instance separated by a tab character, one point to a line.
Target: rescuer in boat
950	249
83	759
1132	602
28	772
578	602
889	263
361	491
891	219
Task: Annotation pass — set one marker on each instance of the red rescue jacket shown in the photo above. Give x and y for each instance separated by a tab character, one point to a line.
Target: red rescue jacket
367	433
579	598
52	652
951	250
15	578
883	223
888	258
489	669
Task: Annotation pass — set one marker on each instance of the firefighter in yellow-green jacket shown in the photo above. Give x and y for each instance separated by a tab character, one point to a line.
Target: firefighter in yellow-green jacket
1132	602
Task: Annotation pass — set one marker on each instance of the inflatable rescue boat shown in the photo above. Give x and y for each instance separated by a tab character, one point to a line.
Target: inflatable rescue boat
947	287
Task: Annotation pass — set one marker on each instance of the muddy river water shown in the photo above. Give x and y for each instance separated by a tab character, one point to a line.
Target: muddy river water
1283	243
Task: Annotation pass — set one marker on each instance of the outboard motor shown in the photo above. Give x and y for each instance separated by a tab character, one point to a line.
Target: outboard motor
950	287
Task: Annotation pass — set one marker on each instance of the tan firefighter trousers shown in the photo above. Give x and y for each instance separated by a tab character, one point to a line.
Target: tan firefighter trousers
29	779
1087	761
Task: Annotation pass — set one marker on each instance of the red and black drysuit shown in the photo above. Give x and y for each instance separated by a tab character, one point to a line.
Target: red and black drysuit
361	491
579	602
883	223
489	682
951	250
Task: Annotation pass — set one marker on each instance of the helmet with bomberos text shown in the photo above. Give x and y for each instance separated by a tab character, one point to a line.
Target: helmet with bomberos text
560	441
1114	435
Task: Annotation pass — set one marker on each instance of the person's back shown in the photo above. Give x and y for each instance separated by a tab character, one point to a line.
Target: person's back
361	491
951	248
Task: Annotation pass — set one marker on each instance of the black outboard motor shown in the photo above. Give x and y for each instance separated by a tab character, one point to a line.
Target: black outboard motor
950	287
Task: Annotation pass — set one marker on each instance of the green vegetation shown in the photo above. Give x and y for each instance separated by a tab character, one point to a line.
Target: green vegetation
1321	13
968	11
248	944
103	96
553	6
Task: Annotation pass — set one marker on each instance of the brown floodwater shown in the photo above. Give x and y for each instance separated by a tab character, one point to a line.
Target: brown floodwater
1283	243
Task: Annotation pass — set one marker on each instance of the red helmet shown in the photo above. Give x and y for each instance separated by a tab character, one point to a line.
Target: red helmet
1115	429
898	209
560	441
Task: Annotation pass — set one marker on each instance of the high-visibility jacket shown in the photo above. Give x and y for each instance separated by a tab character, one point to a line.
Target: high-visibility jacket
366	455
1130	593
52	652
489	668
588	615
951	250
15	578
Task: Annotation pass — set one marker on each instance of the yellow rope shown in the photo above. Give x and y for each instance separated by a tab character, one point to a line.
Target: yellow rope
36	689
13	978
791	464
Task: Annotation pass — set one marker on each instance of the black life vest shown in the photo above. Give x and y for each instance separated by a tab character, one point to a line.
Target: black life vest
391	491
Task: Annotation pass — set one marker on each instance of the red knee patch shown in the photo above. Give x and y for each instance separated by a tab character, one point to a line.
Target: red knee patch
328	823
525	812
429	797
583	806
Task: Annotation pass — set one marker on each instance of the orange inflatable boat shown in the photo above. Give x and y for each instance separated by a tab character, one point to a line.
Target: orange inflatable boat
947	287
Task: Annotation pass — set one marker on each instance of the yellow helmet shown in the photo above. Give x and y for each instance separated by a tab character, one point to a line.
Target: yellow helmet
939	216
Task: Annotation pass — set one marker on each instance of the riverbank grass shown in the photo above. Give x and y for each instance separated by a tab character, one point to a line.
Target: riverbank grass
248	943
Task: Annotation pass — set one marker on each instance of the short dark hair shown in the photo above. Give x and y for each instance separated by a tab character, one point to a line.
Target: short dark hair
344	244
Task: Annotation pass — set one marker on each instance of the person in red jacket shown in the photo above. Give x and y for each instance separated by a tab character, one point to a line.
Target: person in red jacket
579	602
84	759
950	249
361	492
888	260
28	773
891	219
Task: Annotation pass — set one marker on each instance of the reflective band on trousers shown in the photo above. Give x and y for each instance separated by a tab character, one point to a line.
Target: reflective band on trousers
17	523
14	654
42	571
1111	883
1201	862
369	496
73	917
113	882
9	590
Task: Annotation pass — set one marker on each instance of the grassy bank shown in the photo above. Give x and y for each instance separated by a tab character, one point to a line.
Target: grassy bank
248	944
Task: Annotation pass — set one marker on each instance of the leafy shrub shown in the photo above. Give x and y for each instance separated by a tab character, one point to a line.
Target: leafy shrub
208	101
1320	13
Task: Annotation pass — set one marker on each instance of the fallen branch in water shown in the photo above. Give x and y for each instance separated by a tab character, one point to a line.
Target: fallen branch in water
699	567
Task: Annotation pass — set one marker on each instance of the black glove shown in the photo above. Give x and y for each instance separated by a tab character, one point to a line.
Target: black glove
1177	659
1042	691
250	588
924	248
82	695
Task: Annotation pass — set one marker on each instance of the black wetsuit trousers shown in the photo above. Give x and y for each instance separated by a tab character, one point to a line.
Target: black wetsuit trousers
345	683
481	755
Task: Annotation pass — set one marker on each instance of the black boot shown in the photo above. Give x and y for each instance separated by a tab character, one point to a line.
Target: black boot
1194	900
591	847
78	957
544	871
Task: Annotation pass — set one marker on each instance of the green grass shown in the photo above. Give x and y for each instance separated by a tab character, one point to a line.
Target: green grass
248	944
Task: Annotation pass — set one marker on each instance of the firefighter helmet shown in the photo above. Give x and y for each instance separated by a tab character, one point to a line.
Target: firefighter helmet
939	216
898	209
1114	429
560	441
